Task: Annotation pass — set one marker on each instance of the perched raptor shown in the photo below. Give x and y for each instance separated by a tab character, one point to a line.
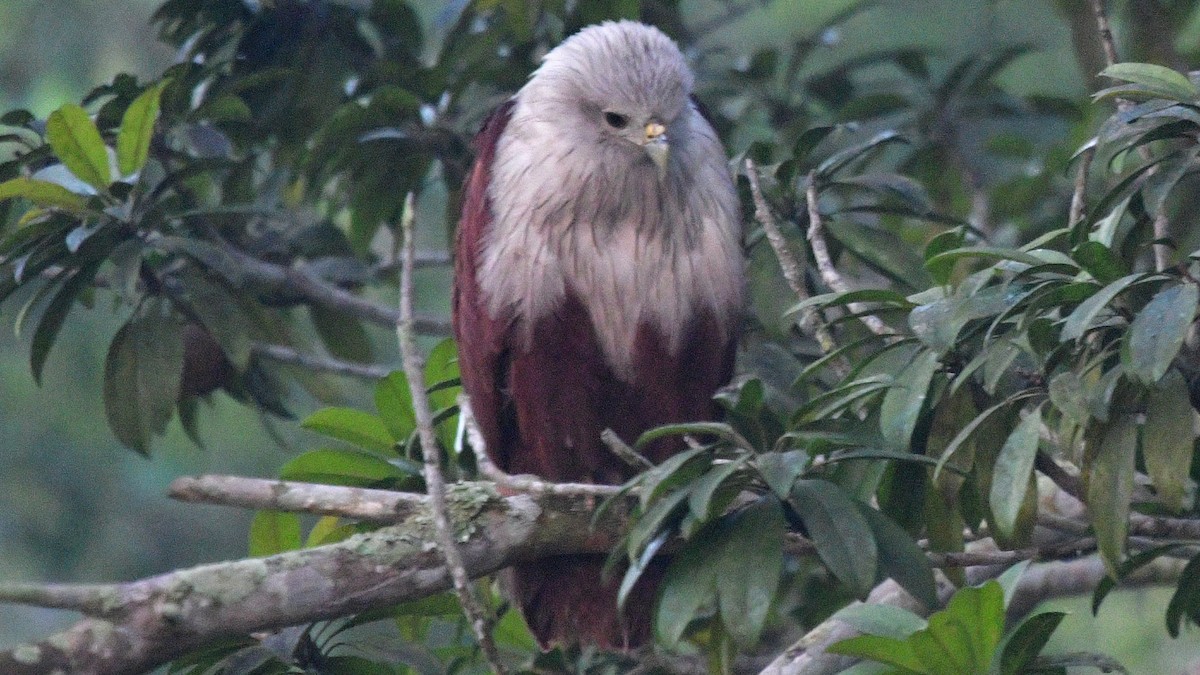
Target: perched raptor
598	284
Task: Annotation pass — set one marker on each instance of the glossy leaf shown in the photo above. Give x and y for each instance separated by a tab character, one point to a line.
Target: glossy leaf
393	400
1082	318
1185	602
1024	642
1168	438
141	376
274	532
77	143
1162	81
1110	487
900	558
1158	331
137	128
344	466
1012	471
904	400
840	532
42	193
55	314
750	569
353	426
779	470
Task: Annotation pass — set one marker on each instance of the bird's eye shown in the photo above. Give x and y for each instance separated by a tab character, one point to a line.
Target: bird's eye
616	120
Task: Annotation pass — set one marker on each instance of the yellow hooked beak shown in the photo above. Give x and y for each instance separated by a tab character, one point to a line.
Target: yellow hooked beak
657	147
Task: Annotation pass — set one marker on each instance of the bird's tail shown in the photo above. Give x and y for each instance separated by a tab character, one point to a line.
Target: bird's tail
565	600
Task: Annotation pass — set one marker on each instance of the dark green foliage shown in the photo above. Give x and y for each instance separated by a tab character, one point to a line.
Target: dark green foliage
207	204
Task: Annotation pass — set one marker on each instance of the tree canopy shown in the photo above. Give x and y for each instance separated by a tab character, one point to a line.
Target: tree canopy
967	378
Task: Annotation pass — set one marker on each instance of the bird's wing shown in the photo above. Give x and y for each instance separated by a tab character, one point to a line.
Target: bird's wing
483	341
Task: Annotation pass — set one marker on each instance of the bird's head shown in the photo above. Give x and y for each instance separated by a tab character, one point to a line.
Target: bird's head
623	85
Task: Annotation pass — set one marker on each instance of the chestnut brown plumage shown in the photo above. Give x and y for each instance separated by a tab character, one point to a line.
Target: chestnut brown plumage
598	284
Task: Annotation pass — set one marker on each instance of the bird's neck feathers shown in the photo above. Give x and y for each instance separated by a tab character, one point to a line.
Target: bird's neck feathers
568	217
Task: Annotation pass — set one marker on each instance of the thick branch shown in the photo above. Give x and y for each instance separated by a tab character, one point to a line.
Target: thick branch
132	627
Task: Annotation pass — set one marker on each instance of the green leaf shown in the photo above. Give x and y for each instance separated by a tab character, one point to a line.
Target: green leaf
750	569
840	532
1100	261
393	400
674	472
1010	477
1168	438
42	193
1080	320
55	314
1024	642
898	653
900	557
1158	331
701	496
779	470
344	466
137	128
887	621
1163	81
1127	567
274	532
963	637
344	336
1185	603
353	426
1110	486
939	264
881	249
690	584
1066	393
141	375
903	402
77	143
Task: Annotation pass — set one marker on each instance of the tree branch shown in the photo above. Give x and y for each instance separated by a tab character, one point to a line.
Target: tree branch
816	239
290	356
435	485
793	273
372	506
135	626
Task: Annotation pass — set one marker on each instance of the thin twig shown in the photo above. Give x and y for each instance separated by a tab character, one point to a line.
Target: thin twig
1162	252
789	264
624	451
1079	196
1105	31
302	282
292	357
523	483
816	239
435	485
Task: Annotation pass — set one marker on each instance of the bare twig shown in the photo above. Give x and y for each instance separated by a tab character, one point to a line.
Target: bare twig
292	357
524	483
810	320
816	239
434	483
374	506
303	283
1105	31
1079	195
624	451
1162	252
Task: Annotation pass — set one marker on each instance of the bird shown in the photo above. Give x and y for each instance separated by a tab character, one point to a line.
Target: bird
599	284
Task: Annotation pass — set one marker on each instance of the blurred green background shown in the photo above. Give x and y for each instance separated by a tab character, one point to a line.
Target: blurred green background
76	506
